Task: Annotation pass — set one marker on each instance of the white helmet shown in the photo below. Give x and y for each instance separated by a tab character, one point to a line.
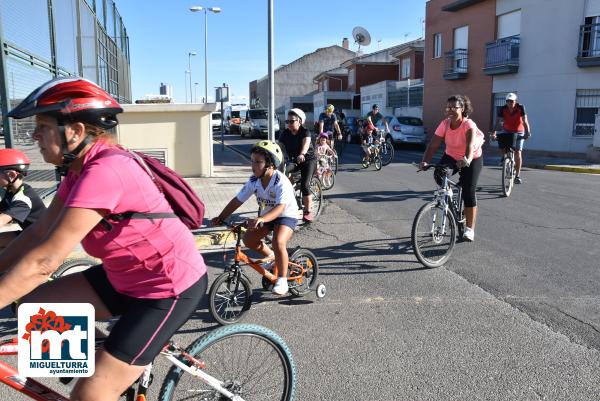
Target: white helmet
511	96
298	113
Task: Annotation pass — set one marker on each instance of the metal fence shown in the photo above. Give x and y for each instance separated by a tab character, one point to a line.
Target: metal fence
42	39
406	97
503	51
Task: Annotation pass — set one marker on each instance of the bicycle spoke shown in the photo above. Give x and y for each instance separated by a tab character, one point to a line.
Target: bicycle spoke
248	365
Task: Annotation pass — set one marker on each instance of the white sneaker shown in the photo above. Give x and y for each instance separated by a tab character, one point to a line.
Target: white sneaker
469	234
281	286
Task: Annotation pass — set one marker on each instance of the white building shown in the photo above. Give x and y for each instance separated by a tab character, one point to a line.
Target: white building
549	54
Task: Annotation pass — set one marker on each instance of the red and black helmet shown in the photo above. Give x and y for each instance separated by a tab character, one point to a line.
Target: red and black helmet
71	99
13	159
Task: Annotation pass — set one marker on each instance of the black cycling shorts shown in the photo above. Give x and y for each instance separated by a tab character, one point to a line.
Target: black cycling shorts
145	325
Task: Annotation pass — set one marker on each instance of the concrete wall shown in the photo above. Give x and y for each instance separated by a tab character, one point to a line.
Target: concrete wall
481	19
296	78
183	131
548	76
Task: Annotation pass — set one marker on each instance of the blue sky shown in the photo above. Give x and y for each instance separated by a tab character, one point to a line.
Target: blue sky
162	33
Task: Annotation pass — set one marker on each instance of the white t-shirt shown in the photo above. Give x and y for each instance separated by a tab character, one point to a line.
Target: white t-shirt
278	192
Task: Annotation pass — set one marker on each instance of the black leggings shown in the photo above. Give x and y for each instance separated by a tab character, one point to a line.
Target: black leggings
307	170
469	176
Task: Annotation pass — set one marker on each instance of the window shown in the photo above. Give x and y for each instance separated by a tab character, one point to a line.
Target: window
587	106
405	68
509	24
591	37
437	45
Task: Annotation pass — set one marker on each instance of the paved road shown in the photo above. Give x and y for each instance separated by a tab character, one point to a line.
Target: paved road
537	250
391	330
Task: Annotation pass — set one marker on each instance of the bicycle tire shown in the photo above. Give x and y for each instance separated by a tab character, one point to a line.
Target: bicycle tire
224	351
421	251
309	262
327	179
316	190
71	266
387	153
377	162
334	163
228	305
507	177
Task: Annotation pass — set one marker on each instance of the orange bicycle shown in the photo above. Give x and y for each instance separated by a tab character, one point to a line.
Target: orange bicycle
230	295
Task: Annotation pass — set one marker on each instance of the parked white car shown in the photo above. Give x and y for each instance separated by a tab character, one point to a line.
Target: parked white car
405	130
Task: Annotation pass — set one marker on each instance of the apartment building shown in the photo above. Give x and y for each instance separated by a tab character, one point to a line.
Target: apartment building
456	32
548	52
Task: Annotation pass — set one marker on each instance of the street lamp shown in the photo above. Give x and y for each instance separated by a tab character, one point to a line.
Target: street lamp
215	10
195	92
185	85
190	54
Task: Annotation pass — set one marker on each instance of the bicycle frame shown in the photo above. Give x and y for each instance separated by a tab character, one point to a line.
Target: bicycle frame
39	392
443	197
241	258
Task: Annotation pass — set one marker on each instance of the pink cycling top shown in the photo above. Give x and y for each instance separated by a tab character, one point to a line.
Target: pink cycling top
142	258
456	139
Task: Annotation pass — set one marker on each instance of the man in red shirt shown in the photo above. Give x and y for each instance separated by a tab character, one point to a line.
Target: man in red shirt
514	124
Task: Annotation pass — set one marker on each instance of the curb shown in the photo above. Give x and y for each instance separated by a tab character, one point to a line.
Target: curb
570	169
239	152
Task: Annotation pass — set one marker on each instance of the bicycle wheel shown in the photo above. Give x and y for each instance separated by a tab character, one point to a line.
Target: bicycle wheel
316	191
432	241
387	153
334	163
507	176
310	264
229	297
71	266
377	162
327	179
251	361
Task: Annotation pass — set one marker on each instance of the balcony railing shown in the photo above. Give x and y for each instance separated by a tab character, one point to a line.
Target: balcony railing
457	63
589	46
502	56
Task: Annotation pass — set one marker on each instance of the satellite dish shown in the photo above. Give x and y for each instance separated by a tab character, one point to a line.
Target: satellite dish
361	36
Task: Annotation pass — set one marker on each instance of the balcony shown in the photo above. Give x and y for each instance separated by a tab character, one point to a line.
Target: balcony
502	56
456	66
589	46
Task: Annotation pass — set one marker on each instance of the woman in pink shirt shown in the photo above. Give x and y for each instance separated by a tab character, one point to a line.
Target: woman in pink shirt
151	274
463	152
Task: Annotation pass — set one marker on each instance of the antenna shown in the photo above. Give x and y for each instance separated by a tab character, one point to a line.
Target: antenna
361	36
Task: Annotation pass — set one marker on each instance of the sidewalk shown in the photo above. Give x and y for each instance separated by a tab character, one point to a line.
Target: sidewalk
573	165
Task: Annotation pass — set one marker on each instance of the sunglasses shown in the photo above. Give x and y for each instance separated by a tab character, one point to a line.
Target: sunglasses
290	121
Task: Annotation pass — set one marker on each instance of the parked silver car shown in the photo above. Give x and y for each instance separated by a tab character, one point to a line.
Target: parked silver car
405	130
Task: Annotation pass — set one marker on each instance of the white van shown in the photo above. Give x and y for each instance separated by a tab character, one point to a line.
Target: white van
256	124
234	115
215	120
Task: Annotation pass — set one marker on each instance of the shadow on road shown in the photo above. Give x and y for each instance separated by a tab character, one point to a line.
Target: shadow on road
382	196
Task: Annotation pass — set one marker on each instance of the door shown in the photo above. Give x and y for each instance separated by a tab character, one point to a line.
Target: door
461	44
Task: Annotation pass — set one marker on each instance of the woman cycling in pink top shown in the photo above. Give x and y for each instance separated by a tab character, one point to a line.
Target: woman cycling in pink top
151	274
463	151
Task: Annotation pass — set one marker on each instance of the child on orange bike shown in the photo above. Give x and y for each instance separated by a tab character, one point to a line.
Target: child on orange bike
278	209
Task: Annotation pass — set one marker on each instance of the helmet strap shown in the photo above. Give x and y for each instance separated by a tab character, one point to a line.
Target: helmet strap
69	157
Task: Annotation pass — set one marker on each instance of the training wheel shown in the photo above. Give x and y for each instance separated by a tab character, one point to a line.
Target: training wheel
321	290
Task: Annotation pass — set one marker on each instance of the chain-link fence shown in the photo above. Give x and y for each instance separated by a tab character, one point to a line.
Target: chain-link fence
42	39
